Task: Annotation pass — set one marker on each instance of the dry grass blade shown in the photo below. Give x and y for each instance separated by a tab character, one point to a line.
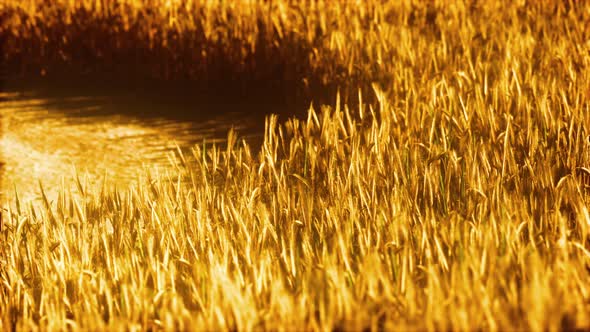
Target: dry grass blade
583	175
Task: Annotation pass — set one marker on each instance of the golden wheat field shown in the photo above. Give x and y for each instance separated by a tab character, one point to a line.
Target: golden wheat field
439	181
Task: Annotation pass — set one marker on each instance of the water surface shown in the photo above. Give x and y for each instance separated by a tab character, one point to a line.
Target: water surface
52	138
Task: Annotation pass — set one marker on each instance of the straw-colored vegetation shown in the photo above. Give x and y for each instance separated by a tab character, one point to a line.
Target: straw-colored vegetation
456	200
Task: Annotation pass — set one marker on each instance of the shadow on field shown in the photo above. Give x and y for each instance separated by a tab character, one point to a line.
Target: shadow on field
170	99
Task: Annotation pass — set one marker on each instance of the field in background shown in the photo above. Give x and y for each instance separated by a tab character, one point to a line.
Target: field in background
261	49
444	188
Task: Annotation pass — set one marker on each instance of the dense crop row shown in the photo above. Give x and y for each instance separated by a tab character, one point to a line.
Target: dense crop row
457	199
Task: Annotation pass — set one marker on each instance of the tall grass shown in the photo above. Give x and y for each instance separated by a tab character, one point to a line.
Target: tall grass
297	49
457	200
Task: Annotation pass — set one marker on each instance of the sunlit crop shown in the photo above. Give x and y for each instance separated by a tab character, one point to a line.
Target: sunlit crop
445	187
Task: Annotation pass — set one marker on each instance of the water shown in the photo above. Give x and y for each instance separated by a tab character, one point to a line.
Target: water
52	138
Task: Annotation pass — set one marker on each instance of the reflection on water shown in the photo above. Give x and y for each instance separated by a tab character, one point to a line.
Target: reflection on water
50	138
